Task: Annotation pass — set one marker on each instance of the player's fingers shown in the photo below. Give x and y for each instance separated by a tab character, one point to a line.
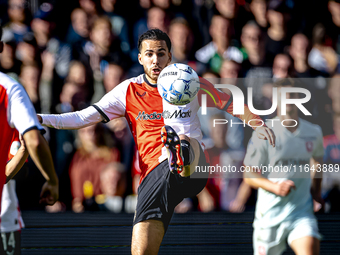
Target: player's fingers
291	184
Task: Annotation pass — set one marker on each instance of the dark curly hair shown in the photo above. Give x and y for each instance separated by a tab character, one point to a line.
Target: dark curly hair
154	34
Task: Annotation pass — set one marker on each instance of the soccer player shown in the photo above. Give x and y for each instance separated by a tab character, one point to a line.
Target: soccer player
160	130
284	209
17	111
11	220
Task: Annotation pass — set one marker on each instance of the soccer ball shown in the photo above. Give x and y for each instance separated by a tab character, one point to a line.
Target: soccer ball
178	84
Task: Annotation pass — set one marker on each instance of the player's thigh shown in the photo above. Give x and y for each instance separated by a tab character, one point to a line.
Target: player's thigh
269	241
11	243
147	237
304	237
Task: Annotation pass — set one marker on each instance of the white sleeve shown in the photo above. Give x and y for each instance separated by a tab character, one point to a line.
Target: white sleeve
21	113
72	120
113	104
257	152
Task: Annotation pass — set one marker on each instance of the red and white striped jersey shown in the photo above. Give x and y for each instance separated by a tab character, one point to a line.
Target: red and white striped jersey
146	113
16	111
11	219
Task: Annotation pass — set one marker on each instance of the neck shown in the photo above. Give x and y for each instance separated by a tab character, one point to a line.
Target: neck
222	46
151	81
102	51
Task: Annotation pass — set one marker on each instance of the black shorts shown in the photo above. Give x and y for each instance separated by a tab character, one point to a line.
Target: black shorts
160	192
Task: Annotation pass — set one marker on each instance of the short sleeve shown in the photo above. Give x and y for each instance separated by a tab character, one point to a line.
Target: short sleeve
21	113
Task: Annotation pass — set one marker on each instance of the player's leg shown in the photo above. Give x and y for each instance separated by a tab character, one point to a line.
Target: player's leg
269	241
183	152
304	237
11	243
147	237
307	245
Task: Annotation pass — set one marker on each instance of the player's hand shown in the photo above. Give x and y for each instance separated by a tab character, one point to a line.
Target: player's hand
236	206
283	188
49	193
39	118
318	203
266	133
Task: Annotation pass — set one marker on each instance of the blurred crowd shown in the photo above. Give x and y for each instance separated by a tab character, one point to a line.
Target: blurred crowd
68	54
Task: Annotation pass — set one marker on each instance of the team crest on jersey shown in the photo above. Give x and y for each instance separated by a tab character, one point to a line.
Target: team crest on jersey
309	146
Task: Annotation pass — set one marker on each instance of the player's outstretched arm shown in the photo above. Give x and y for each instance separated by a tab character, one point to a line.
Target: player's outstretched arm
40	153
256	180
72	120
16	163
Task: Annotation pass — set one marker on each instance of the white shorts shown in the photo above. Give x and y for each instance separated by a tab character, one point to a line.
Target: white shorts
272	241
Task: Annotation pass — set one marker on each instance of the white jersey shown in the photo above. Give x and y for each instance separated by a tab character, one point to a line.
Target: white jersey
11	219
291	150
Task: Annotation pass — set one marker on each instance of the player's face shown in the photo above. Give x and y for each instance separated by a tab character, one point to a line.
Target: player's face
154	56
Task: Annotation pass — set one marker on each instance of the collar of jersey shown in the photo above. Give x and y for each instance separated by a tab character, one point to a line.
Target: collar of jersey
147	82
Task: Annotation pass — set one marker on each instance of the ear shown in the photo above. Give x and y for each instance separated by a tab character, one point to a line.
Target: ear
140	59
1	46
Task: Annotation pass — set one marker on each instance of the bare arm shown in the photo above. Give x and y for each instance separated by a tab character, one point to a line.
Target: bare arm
242	196
256	180
72	120
16	163
40	153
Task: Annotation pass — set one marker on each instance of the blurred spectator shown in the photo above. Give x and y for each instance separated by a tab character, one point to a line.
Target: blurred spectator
19	19
256	67
181	43
91	7
281	66
78	30
259	10
119	25
322	57
223	186
113	186
331	178
155	18
113	75
333	30
220	47
30	78
78	75
55	55
93	154
123	135
27	51
276	38
102	49
8	63
299	50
